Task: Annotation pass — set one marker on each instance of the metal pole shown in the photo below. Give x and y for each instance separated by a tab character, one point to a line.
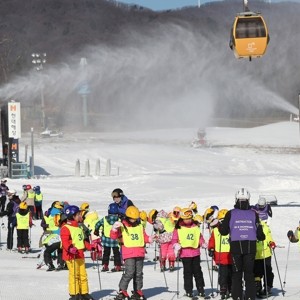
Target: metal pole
32	153
43	106
8	160
299	111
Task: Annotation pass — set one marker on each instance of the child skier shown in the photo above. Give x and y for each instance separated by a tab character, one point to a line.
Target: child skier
187	240
24	221
134	238
109	244
73	244
219	249
164	227
262	263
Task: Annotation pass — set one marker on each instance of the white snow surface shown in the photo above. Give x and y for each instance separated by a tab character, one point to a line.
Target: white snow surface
160	169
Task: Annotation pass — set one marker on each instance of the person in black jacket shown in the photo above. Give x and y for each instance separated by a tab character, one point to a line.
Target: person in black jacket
11	210
243	225
3	194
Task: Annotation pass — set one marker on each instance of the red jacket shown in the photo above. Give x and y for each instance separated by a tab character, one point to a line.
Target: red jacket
223	258
131	252
66	241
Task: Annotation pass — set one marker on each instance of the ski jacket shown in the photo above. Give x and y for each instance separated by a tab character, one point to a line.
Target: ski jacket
263	249
130	252
106	224
187	251
124	203
30	197
67	242
242	246
220	245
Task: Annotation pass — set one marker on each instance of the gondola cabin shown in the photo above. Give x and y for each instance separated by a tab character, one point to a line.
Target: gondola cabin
249	35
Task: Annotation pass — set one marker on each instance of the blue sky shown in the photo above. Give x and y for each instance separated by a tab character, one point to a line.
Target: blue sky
163	4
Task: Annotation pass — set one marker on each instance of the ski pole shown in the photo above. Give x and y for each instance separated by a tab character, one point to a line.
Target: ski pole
160	259
155	250
75	277
208	269
98	269
212	276
283	292
177	292
265	271
287	259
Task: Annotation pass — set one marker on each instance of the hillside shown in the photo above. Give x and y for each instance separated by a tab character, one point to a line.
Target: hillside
145	66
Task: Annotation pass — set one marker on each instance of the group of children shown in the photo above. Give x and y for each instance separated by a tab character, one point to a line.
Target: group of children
70	230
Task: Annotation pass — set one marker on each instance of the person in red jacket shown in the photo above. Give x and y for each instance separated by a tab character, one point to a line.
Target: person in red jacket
73	245
219	249
133	237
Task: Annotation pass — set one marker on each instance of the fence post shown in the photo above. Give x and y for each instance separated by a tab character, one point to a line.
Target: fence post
97	169
87	168
108	167
77	168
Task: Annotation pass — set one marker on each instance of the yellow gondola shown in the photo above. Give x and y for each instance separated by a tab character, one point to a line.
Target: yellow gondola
249	35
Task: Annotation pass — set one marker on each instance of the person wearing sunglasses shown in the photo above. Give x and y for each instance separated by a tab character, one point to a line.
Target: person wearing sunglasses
122	201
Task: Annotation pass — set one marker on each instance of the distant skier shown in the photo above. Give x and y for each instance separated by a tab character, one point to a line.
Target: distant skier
3	194
264	210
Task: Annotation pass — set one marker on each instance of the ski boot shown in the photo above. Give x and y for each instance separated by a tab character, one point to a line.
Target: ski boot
123	295
137	295
50	267
171	266
116	269
105	268
86	297
163	265
189	295
20	249
75	297
26	250
201	293
60	267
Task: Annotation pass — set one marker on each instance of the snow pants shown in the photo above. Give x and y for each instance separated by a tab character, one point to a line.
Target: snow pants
259	271
167	252
133	270
47	254
22	238
78	281
225	274
106	254
243	264
192	268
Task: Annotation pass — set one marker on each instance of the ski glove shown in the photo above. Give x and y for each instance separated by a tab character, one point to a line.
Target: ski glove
211	252
73	250
176	248
117	225
290	234
272	245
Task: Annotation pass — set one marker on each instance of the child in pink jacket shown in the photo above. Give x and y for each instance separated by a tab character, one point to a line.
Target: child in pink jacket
133	237
187	240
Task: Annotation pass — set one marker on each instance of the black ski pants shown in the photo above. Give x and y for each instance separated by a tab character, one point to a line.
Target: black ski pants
192	269
243	266
259	271
10	234
2	203
22	238
50	249
225	274
106	254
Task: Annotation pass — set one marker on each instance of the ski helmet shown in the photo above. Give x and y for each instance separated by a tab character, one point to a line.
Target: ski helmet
11	192
113	209
57	205
23	205
132	212
116	193
199	219
222	213
152	215
186	213
242	194
176	212
24	186
84	206
262	202
71	210
28	187
143	215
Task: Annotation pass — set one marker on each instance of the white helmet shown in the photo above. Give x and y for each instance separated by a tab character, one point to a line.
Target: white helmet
242	194
262	202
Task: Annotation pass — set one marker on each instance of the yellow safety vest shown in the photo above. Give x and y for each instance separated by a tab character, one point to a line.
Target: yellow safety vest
189	236
51	223
22	221
133	236
168	225
77	236
262	247
39	197
221	241
106	228
30	195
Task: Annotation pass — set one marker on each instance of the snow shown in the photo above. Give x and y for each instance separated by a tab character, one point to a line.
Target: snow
160	169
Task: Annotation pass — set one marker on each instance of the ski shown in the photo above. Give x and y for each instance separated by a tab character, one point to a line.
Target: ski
34	257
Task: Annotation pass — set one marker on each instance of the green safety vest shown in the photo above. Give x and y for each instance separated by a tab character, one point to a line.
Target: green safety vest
133	236
169	226
22	221
77	236
39	197
221	241
189	237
